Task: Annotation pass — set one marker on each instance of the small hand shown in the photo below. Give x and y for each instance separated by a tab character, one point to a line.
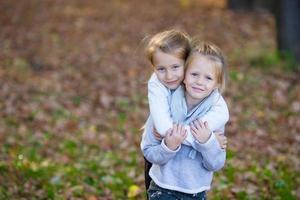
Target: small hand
156	134
175	136
200	130
222	139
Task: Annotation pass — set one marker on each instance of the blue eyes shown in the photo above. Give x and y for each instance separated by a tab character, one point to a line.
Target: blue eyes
197	75
162	69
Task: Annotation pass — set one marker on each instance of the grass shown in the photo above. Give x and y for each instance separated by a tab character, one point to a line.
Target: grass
61	140
59	164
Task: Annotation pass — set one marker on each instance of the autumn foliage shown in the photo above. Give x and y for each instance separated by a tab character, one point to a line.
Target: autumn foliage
73	98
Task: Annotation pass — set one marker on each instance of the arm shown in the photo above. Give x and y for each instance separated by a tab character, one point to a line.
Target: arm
155	151
159	105
217	116
169	146
213	156
206	142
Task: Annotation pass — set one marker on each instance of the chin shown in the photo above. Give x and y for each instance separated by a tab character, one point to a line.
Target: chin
173	87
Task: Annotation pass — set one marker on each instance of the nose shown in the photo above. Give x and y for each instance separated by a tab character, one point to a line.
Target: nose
169	75
200	81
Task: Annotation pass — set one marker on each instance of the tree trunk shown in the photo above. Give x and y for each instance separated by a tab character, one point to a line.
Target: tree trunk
288	27
240	4
287	15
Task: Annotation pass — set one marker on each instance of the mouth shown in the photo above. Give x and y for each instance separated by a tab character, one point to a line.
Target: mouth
196	89
171	82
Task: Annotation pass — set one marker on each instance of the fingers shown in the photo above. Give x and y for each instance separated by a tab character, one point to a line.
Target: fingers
175	128
179	132
169	133
183	132
157	136
219	132
206	125
224	146
223	141
198	124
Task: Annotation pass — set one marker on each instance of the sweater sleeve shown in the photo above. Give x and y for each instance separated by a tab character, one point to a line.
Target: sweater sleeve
213	156
217	116
159	106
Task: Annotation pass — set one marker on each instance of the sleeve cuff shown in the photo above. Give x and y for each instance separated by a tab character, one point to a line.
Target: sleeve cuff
164	146
208	144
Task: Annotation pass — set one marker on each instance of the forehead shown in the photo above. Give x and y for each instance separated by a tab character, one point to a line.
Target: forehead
202	64
162	58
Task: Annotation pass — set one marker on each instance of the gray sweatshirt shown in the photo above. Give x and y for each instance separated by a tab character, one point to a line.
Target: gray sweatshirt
188	169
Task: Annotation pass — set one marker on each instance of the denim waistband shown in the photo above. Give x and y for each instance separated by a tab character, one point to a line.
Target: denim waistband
153	185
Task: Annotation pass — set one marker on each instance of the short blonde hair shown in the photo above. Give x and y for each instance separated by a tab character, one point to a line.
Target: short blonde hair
214	54
172	42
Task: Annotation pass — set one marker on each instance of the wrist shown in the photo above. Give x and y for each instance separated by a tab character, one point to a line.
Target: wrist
205	138
208	136
171	146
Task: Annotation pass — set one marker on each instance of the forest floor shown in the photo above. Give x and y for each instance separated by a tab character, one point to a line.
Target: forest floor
73	98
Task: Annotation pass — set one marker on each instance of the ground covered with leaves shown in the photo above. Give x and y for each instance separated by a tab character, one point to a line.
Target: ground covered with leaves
73	98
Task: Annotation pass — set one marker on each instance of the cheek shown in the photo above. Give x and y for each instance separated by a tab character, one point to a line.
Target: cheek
214	86
160	76
180	73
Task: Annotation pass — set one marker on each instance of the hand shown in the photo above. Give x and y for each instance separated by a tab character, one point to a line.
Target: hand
175	136
156	134
222	139
200	131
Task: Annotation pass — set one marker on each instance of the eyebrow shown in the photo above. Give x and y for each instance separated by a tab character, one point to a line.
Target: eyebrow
167	66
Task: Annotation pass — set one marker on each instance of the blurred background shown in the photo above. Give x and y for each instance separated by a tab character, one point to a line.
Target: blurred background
73	95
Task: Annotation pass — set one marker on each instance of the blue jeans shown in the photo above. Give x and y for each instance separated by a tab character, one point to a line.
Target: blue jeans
157	193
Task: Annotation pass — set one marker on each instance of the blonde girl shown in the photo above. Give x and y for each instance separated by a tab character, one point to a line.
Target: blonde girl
180	170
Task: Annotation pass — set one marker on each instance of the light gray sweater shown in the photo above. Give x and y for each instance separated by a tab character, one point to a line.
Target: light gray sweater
188	169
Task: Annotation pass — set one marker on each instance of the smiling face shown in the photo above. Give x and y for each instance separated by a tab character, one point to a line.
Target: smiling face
168	68
200	79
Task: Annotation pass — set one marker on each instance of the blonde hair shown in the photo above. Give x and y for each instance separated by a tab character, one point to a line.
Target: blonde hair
172	42
215	55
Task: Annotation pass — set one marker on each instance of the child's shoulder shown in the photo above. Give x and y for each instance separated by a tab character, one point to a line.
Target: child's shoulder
155	85
154	81
153	78
218	98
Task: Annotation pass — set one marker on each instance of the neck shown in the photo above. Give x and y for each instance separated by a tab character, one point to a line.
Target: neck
191	102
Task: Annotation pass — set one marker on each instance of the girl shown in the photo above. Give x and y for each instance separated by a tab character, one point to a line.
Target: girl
167	52
181	171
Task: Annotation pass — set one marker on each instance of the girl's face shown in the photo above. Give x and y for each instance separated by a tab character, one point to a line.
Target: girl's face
200	79
168	68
